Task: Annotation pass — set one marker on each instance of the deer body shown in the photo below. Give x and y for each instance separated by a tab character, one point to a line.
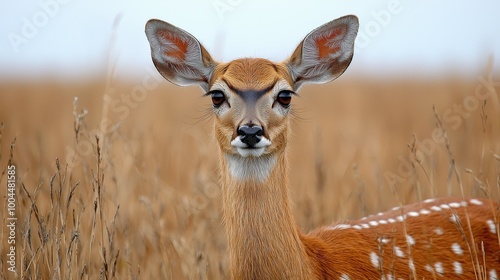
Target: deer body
449	238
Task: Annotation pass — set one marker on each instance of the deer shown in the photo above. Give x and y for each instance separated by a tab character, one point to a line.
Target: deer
438	238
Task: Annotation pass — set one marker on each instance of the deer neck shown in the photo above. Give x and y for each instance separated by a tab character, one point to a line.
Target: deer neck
263	238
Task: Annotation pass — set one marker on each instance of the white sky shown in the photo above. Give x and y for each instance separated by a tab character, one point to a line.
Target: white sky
72	37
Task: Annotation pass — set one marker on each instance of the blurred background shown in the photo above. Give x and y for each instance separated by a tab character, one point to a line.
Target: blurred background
117	170
62	38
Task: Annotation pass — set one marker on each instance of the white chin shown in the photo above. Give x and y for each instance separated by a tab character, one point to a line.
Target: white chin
255	152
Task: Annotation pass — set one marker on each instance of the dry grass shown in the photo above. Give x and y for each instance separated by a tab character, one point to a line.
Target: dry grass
139	199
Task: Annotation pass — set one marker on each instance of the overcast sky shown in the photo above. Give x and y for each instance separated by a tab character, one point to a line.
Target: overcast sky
42	38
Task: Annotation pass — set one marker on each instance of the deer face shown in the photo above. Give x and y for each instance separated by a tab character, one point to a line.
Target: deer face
251	100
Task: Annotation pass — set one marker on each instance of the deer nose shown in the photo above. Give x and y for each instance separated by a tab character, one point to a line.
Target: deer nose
250	134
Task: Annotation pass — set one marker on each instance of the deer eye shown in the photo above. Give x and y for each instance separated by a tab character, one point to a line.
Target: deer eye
284	98
218	97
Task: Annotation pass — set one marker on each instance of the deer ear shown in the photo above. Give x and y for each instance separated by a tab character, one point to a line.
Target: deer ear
178	56
325	53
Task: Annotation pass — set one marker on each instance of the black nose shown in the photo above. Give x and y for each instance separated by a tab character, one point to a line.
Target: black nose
250	135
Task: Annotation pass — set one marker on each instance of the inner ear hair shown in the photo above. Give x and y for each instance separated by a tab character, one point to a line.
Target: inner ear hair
325	53
178	55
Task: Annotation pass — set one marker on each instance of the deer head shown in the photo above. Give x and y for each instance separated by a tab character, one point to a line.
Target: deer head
252	97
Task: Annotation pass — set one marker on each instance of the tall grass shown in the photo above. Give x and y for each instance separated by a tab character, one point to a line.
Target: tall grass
104	194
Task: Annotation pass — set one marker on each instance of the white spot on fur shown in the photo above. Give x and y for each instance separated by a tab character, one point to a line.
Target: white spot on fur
341	226
251	168
455	247
429	268
384	240
396	208
373	223
382	222
493	227
454	204
463	203
413	214
374	259
365	226
438	231
493	275
399	252
454	218
457	267
344	277
435	208
476	201
391	220
400	218
429	200
425	212
444	206
410	240
439	268
357	227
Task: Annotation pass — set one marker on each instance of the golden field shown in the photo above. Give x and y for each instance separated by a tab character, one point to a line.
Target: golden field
123	183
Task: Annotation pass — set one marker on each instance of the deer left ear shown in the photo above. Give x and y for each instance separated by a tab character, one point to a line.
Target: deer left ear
325	53
178	56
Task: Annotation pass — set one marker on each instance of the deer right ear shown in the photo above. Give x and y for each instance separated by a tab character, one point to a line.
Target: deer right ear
178	56
325	53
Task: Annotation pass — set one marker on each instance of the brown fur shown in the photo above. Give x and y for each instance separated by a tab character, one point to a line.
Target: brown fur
347	250
263	239
250	73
